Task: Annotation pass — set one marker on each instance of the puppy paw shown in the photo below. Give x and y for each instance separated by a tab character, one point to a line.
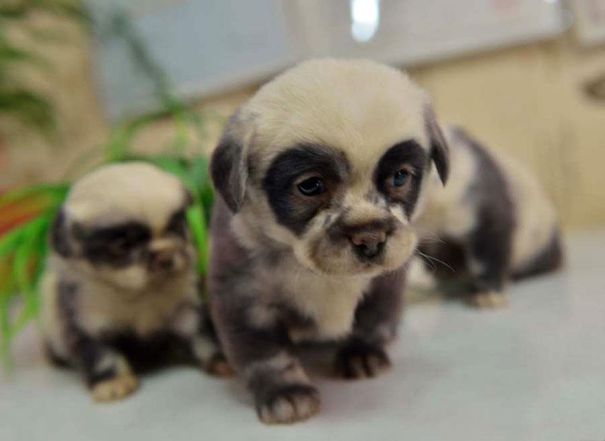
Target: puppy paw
489	300
288	404
361	360
218	366
115	388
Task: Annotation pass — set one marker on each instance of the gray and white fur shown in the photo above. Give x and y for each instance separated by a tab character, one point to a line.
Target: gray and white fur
319	175
492	223
120	289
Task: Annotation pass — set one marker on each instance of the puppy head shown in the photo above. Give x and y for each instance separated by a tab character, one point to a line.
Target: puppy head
328	160
125	224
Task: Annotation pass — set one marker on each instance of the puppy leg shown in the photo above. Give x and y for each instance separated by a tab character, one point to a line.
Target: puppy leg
106	372
261	354
488	258
363	354
282	392
193	324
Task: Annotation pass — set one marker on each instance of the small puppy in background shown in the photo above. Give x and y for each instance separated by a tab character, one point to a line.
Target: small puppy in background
492	223
319	175
121	280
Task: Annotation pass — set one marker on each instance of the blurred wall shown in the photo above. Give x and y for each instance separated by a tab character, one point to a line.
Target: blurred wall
525	100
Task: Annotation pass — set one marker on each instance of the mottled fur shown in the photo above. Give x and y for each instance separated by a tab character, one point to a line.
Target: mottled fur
493	222
121	276
289	264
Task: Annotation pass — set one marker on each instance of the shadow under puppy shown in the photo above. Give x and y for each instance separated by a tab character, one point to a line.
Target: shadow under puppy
319	175
121	286
492	223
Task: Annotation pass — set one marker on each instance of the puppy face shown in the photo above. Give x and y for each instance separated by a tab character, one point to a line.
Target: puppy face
328	160
125	224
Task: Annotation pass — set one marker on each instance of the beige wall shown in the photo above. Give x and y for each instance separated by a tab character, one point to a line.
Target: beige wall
526	100
529	101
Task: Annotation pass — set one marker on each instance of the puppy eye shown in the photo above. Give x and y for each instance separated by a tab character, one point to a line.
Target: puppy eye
121	245
312	187
126	242
400	178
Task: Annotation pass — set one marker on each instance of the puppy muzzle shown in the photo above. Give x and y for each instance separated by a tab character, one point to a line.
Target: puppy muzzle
166	259
367	240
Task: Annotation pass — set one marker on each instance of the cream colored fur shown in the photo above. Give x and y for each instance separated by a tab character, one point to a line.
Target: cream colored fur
536	216
361	108
124	192
328	299
358	106
113	299
448	211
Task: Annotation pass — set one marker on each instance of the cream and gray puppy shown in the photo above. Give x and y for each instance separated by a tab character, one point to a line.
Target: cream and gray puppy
319	175
492	223
121	286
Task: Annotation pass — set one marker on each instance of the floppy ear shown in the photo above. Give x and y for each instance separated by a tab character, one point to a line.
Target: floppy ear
59	240
188	197
228	166
439	148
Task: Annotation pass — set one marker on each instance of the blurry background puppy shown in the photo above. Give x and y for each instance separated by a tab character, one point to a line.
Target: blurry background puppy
319	176
492	223
121	285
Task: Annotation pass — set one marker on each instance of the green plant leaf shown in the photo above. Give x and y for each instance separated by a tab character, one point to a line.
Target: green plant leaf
197	224
119	146
27	263
13	12
199	170
10	55
55	193
29	107
9	242
25	249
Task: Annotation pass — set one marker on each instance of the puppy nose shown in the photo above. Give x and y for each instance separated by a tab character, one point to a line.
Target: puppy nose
368	243
162	261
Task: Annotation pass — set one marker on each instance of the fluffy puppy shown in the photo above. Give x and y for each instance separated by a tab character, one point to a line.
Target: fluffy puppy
319	175
492	223
120	285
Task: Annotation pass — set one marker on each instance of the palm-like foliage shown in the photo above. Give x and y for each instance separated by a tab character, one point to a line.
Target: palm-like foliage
17	100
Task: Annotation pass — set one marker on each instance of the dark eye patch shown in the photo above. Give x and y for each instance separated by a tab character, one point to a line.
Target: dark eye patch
399	173
293	208
113	245
178	223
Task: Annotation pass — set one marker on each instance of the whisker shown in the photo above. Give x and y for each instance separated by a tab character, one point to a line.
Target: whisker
434	259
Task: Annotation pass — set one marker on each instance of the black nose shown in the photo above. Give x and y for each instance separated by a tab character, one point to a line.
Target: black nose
368	243
162	261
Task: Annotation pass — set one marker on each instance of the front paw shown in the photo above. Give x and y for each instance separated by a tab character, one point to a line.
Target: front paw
288	404
115	388
360	360
218	366
489	300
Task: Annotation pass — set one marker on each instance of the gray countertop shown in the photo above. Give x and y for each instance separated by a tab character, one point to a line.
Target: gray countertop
534	371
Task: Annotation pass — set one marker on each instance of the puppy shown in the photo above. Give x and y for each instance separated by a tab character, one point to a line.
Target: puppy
121	282
319	175
492	223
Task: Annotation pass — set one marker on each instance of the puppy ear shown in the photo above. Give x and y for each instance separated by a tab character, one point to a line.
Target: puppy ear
188	198
59	238
438	144
228	166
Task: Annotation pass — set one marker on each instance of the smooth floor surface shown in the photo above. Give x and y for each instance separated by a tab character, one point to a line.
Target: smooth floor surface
534	371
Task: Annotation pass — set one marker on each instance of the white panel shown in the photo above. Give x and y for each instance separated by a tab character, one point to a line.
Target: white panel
590	21
205	46
410	31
